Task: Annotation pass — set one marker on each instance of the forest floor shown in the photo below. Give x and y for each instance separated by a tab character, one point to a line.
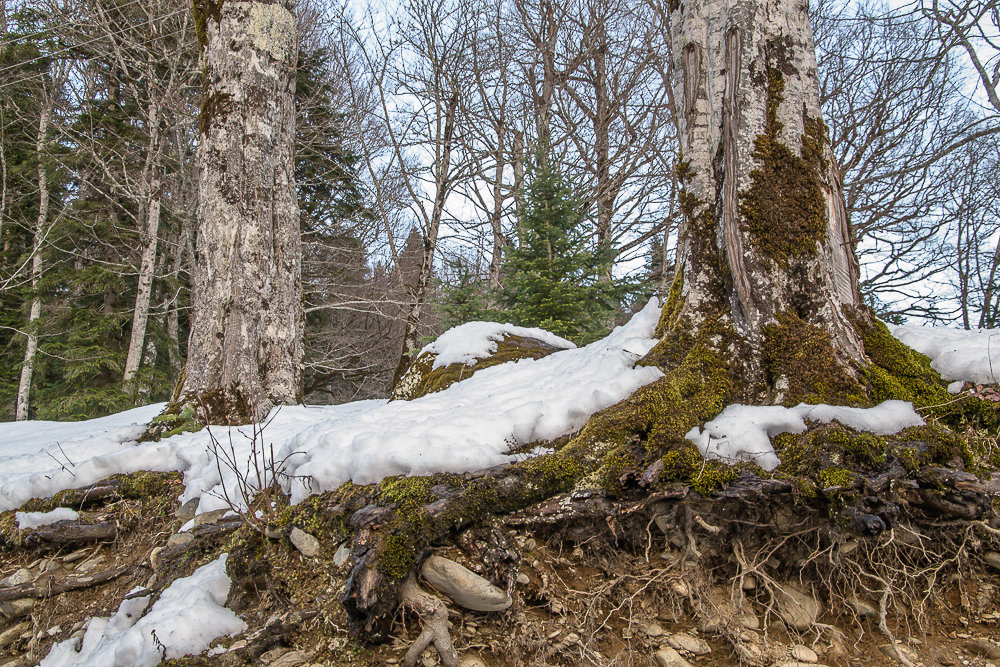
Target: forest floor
684	582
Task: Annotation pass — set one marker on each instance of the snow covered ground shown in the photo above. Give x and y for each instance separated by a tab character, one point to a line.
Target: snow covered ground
469	426
958	355
188	615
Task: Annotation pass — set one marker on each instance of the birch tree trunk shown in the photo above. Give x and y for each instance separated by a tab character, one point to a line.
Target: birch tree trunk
766	251
245	346
152	190
31	346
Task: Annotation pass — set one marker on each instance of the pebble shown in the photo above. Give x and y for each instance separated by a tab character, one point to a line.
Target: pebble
654	630
797	609
804	654
187	511
862	608
669	657
291	659
22	576
530	544
13	609
523	579
342	553
685	642
464	586
206	518
178	539
304	542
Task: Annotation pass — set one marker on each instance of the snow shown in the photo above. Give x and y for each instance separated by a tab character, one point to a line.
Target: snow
27	520
959	355
189	614
471	341
744	432
471	425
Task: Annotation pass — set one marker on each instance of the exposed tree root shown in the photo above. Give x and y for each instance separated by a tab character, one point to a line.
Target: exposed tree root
434	616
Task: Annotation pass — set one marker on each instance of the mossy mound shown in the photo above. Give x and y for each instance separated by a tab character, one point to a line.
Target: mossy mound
421	378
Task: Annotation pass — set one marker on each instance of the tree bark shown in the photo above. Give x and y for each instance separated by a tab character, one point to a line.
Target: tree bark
31	346
766	237
152	189
245	347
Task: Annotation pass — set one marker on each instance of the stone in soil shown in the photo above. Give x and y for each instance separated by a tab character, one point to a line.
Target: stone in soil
983	648
992	558
304	542
804	654
797	609
685	642
668	657
462	585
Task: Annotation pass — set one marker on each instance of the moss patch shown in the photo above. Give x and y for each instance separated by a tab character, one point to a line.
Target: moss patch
783	208
799	358
421	378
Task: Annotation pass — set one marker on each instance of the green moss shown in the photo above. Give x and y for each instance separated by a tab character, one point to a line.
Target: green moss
685	464
672	307
835	477
421	378
799	357
784	209
898	372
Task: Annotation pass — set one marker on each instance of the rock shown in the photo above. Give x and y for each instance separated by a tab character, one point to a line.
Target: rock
91	564
304	542
945	657
342	554
654	630
207	518
530	544
749	582
22	576
905	650
992	558
725	614
10	635
471	661
862	608
155	561
668	657
291	659
804	654
186	511
797	609
793	663
465	587
13	609
685	642
180	539
523	579
982	648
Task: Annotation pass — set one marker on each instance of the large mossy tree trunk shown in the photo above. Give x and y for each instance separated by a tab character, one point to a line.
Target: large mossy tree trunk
245	346
766	255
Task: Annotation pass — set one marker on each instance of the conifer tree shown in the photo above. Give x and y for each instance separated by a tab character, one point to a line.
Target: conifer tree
551	280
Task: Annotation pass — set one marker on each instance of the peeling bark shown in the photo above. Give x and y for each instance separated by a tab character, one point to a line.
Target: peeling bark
746	84
245	346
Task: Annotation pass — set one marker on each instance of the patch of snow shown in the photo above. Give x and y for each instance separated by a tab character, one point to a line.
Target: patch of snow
26	520
963	356
186	618
471	341
469	426
744	432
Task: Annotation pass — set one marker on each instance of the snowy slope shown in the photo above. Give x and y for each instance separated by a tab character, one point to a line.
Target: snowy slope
469	426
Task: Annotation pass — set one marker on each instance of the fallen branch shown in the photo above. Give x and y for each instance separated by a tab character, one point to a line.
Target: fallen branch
67	532
52	587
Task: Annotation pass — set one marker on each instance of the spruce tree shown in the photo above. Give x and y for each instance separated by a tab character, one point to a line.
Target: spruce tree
551	280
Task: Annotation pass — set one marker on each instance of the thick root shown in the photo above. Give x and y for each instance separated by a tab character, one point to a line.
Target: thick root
434	616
